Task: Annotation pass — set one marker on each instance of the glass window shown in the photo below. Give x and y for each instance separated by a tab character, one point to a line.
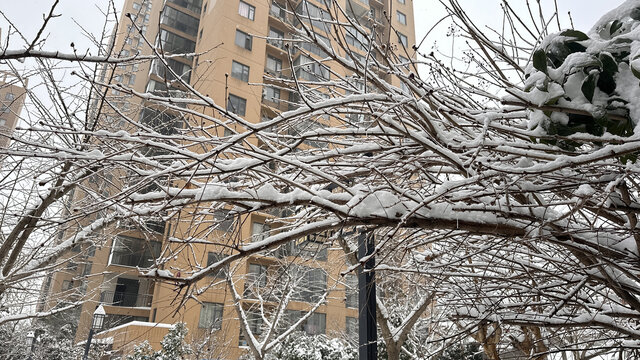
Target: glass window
244	40
181	69
352	329
237	105
246	10
180	21
211	316
402	39
67	285
9	97
136	6
160	121
274	65
271	94
307	68
351	290
315	324
239	71
212	258
130	251
259	231
319	16
193	5
276	38
312	284
224	221
254	321
401	1
176	44
257	275
402	18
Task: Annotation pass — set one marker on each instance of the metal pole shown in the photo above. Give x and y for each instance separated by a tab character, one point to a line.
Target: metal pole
367	329
88	345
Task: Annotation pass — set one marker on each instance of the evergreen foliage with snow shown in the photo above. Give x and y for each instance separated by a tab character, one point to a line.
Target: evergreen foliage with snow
174	346
587	83
300	346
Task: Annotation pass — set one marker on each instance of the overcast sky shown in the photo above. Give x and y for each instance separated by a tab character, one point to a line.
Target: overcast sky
76	15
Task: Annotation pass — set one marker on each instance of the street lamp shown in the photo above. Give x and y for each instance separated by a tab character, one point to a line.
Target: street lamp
96	325
31	341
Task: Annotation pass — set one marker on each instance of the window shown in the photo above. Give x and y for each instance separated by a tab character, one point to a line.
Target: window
315	324
402	39
136	6
271	94
319	18
67	285
9	97
4	109
223	219
3	122
402	18
176	44
259	231
212	258
312	284
352	329
246	10
181	69
401	1
237	105
274	65
351	290
132	79
307	68
193	5
244	40
240	71
130	251
255	326
257	275
275	38
316	49
180	21
211	316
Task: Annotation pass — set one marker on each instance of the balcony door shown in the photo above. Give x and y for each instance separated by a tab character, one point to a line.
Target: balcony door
126	293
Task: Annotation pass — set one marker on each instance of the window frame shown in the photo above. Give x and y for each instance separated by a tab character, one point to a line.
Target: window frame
401	17
251	10
243	74
246	38
215	322
402	39
232	107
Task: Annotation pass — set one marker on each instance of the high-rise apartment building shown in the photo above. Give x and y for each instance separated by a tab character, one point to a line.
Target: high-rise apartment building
12	97
240	48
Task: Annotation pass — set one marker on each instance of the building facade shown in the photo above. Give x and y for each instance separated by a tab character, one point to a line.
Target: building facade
239	52
12	98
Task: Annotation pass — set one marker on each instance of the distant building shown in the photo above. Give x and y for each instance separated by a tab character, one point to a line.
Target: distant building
12	98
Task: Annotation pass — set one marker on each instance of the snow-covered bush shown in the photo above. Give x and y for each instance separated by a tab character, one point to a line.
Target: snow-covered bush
300	346
587	83
174	346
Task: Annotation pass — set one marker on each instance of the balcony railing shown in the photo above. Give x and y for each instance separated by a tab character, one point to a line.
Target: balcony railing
279	43
117	298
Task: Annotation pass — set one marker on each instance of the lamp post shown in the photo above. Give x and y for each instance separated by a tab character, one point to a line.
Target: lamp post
31	341
96	324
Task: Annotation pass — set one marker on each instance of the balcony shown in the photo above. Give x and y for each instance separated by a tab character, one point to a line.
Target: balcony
124	299
277	43
278	12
